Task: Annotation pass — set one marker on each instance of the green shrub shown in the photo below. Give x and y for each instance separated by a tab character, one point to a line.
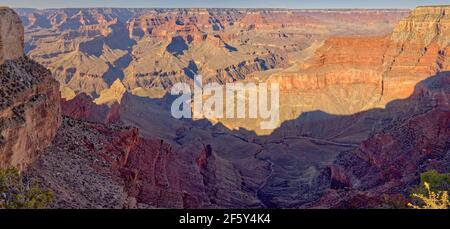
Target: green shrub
19	192
437	182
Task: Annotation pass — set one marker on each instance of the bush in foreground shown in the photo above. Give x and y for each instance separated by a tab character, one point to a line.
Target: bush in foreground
19	192
433	193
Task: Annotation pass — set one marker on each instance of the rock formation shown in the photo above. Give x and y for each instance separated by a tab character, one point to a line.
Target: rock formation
426	24
83	108
11	35
29	102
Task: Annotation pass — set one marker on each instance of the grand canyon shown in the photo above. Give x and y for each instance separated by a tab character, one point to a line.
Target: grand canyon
364	105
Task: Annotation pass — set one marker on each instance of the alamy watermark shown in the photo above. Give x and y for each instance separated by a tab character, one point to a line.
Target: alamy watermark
228	101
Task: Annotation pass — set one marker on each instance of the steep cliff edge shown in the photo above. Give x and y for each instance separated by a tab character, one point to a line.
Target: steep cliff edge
419	48
29	98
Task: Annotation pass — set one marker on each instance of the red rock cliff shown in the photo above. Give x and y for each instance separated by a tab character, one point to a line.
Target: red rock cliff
29	98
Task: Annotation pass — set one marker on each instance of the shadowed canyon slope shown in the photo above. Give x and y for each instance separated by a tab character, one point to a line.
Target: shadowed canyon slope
364	106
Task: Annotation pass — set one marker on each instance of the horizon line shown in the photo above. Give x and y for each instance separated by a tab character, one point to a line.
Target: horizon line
244	8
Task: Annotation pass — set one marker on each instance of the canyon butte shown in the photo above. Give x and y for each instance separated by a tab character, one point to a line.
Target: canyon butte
364	99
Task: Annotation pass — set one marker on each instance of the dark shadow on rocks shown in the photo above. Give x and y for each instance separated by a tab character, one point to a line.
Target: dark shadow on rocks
191	70
177	46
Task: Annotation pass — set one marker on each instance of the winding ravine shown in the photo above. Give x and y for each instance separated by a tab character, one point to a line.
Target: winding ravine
259	195
264	200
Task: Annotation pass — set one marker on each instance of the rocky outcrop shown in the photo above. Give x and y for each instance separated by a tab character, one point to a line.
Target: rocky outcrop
83	108
29	102
11	35
243	69
112	95
81	166
157	175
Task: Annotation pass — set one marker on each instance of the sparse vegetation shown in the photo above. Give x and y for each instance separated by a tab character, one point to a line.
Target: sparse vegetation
433	191
19	192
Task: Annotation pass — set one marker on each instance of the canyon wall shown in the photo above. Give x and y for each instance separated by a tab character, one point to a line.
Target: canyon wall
419	49
29	102
426	24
